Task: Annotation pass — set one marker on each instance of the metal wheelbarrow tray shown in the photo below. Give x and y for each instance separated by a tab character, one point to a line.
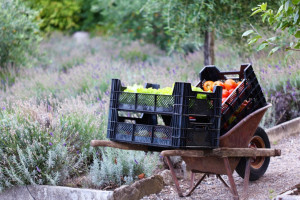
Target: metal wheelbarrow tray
236	152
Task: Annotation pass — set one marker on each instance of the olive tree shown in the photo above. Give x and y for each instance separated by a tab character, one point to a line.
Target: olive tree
201	21
19	34
284	20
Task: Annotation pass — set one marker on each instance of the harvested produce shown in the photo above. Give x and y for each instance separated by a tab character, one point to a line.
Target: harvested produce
219	83
230	84
208	86
225	93
228	87
161	91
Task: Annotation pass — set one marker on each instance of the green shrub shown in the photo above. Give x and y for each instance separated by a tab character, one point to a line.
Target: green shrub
18	34
89	18
79	129
66	15
127	17
30	154
117	167
61	15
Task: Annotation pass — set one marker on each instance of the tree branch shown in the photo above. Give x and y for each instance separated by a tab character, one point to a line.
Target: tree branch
289	48
270	43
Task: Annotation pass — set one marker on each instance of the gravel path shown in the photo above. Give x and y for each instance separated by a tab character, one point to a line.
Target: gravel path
283	173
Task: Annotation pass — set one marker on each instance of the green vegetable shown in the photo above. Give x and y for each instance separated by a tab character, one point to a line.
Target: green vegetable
163	91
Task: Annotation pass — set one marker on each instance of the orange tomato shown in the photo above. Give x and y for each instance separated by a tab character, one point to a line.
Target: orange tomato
230	91
225	93
238	83
230	84
218	83
208	86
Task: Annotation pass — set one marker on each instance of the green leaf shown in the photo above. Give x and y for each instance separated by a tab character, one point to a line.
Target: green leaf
286	5
272	39
247	33
253	40
279	11
296	17
274	50
261	46
297	46
295	2
254	8
255	12
297	35
263	6
271	20
264	17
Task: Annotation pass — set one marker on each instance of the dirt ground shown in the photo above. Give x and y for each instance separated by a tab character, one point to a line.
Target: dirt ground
283	173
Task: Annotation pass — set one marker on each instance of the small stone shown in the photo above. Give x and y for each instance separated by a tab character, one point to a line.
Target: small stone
126	192
167	177
139	189
81	37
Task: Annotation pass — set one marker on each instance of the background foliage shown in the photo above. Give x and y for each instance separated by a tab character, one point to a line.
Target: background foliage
19	33
127	17
186	21
285	21
66	15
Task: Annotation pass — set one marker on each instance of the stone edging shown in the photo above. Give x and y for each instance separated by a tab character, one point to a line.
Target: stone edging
46	192
285	129
136	191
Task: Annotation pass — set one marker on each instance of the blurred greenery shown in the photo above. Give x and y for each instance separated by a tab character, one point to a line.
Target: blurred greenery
19	34
285	18
66	15
187	21
127	17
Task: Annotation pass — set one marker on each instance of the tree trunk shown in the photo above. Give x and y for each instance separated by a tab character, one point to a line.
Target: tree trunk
206	48
212	47
209	43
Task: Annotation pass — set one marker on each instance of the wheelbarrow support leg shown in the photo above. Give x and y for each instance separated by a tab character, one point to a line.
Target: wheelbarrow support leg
174	176
230	177
246	179
222	180
192	190
192	180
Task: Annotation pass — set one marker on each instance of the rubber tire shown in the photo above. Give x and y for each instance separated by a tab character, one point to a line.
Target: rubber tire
255	174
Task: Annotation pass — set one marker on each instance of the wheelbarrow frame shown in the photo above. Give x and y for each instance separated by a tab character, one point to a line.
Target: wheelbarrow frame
219	161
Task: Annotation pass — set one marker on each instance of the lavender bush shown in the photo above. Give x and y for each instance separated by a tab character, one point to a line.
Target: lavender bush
118	167
30	153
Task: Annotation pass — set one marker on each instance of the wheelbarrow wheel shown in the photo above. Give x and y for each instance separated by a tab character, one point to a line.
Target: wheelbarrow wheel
258	165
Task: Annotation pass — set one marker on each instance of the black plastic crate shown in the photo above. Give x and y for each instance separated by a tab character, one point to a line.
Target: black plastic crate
176	130
248	90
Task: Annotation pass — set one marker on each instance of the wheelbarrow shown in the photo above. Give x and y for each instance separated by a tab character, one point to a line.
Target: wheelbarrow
244	148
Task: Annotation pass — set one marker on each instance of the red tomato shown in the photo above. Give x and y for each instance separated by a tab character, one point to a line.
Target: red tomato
219	83
225	93
230	84
208	86
230	91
